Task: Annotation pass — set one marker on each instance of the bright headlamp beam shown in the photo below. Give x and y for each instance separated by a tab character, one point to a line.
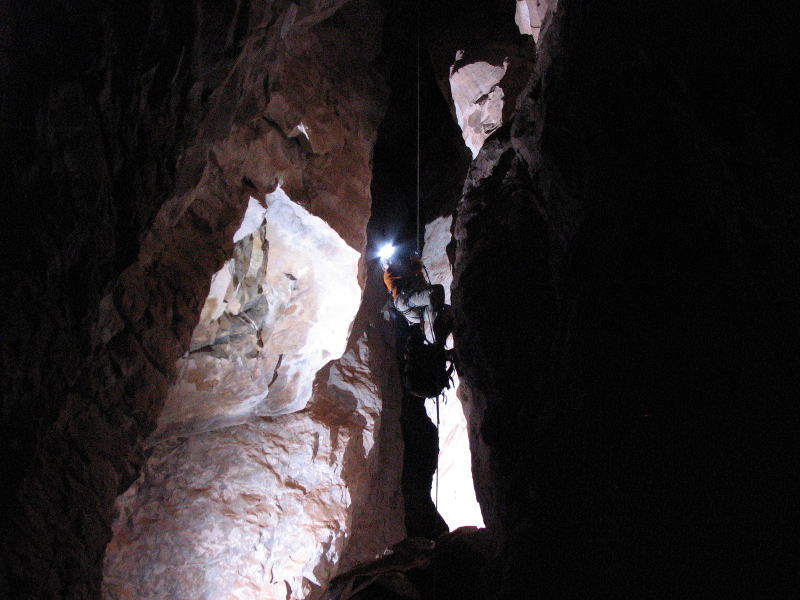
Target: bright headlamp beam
386	252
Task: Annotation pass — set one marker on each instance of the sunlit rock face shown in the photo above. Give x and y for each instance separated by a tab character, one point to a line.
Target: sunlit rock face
276	313
478	100
264	500
271	509
231	513
453	491
533	16
481	73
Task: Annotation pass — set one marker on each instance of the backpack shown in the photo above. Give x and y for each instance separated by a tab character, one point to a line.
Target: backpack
426	372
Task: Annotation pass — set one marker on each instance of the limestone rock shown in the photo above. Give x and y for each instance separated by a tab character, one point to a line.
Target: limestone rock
626	365
271	509
276	313
533	16
482	63
478	100
142	131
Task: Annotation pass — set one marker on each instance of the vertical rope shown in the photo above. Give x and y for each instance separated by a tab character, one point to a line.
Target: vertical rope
438	452
418	127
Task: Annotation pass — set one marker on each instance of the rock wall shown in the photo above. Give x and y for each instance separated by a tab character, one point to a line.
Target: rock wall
626	308
533	17
135	136
482	62
274	507
277	312
625	289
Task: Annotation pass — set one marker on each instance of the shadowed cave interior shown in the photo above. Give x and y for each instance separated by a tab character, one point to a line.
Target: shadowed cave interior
202	372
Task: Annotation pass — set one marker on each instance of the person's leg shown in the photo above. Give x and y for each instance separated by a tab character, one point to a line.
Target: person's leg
430	301
421	301
430	298
436	309
409	310
443	326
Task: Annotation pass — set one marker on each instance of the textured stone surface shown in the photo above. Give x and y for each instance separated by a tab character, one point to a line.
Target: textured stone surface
269	509
534	16
478	100
142	131
482	63
276	313
232	513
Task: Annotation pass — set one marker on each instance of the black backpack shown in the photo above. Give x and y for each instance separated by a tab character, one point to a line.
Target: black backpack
426	373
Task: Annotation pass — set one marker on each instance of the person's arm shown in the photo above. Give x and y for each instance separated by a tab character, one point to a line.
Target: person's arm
390	280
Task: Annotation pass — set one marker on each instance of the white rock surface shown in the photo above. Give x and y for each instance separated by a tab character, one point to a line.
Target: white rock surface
533	16
478	100
453	490
245	512
231	503
269	509
276	313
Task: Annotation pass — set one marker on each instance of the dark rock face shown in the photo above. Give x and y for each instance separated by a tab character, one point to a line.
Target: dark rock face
626	292
418	568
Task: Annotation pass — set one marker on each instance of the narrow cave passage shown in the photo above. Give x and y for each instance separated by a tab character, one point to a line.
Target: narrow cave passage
191	408
272	468
420	144
230	418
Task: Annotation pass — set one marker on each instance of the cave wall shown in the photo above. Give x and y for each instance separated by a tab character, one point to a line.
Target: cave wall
271	507
135	136
627	308
625	274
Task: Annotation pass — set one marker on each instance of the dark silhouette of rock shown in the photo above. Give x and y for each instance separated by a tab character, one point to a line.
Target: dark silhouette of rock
634	363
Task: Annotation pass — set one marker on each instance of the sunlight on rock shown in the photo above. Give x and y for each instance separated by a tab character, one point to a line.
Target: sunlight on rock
237	512
453	490
277	312
478	101
533	16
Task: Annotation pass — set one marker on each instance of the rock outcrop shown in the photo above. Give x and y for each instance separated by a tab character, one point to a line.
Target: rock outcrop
155	127
276	313
625	284
274	507
534	16
453	489
482	62
626	310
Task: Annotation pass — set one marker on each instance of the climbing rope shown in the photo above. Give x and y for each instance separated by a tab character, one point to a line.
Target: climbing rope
419	239
418	129
436	499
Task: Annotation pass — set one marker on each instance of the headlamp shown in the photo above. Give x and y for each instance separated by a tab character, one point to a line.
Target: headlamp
386	252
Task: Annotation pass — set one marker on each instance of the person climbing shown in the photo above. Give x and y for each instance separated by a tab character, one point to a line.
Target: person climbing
419	301
425	366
